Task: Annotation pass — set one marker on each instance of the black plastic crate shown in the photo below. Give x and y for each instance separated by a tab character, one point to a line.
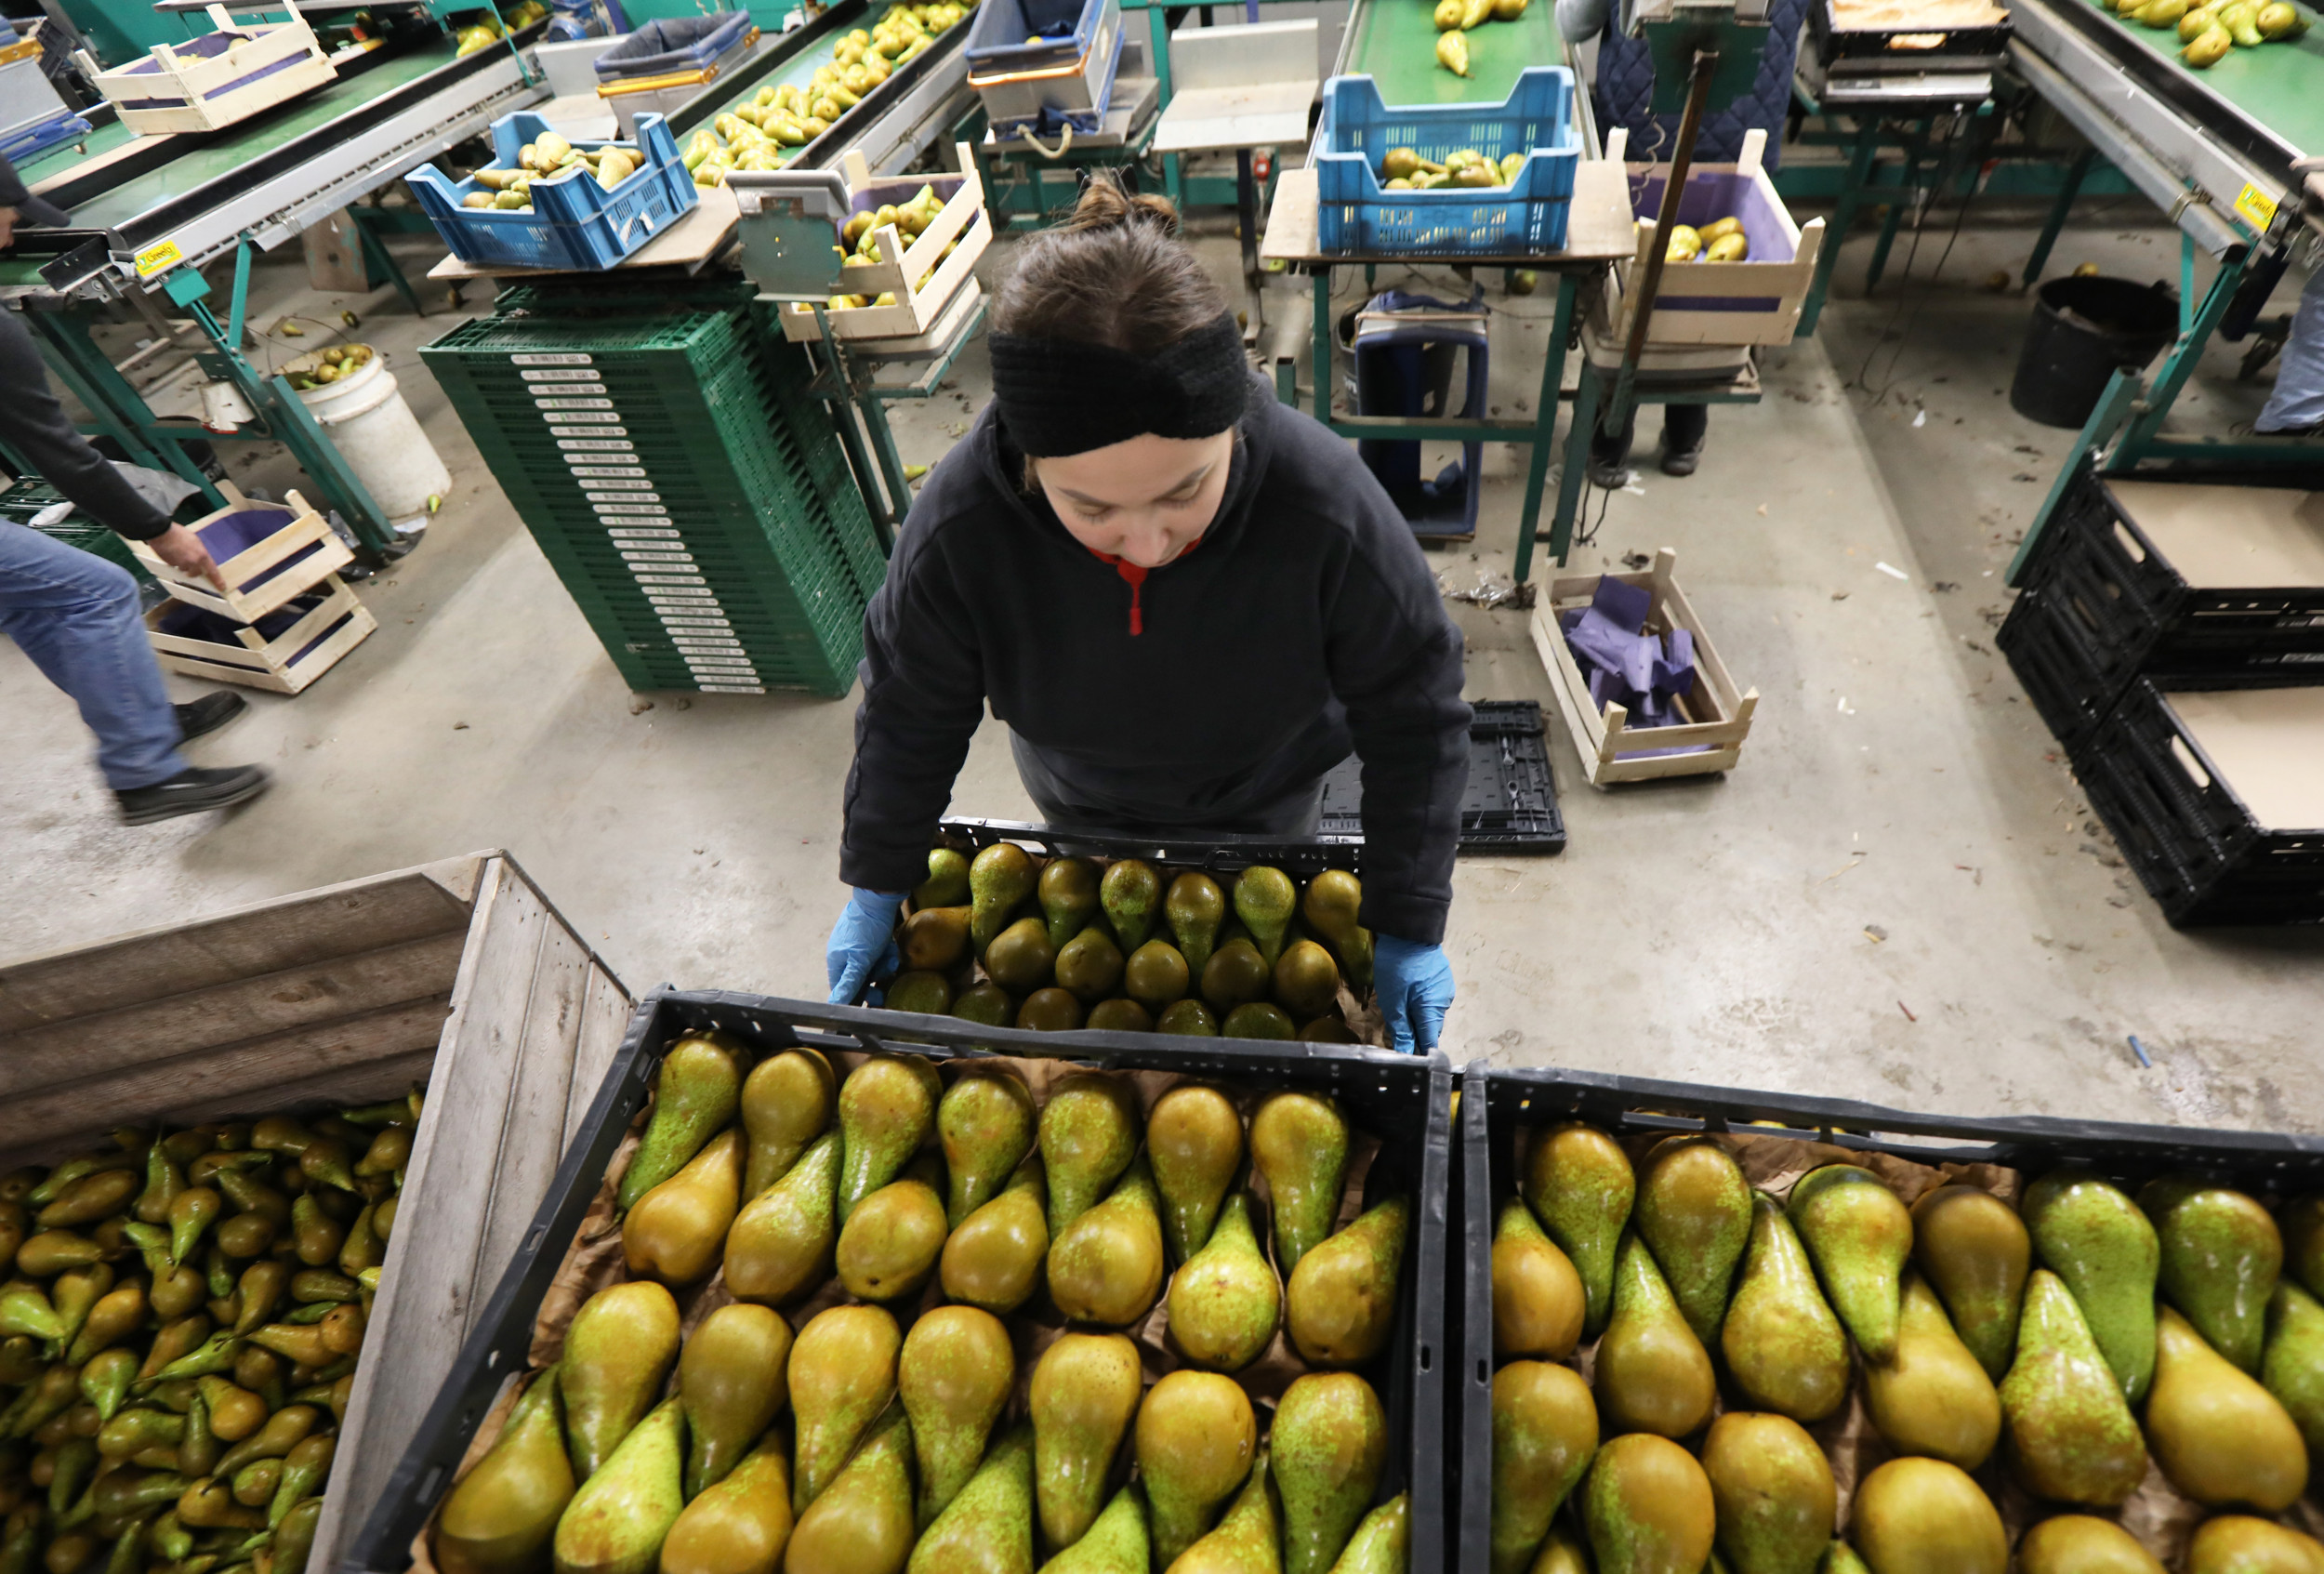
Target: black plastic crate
1511	805
1495	1102
1212	852
2198	847
1924	49
2046	639
1406	1100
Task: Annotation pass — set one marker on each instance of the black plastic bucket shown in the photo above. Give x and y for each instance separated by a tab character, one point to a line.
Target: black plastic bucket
2082	329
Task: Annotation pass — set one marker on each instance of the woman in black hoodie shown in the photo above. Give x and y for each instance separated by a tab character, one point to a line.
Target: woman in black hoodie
1187	601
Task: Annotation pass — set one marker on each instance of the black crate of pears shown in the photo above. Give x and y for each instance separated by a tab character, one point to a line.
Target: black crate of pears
823	1289
1115	936
2061	1347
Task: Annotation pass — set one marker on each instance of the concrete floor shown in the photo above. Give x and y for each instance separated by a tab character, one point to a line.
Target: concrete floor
1900	895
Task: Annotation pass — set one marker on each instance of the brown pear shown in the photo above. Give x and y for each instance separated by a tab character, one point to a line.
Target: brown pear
678	1229
1537	1298
1085	1391
1649	1507
842	1374
1934	1398
1196	1440
2222	1438
1545	1432
2236	1543
1194	1142
788	1101
2082	1543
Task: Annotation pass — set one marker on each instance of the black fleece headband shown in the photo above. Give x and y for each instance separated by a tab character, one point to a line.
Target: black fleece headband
1061	397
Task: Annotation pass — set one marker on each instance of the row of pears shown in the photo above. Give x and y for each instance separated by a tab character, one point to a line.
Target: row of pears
879	1436
179	1329
2031	1334
1009	939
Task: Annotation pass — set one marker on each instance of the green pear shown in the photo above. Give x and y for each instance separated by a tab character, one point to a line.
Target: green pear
695	1093
2222	1438
501	1516
2082	1543
890	1245
1562	1553
1860	1237
1115	1542
1545	1432
1264	900
1194	907
861	1521
1784	1348
616	1522
1841	1558
619	1348
994	1260
1974	1252
1382	1542
2071	1436
2221	1255
947	881
2237	1544
787	1103
1105	1267
1131	895
678	1229
842	1372
1089	1133
1925	1516
987	1527
731	1383
1068	890
1332	904
1196	1440
887	1109
1580	1184
780	1244
1325	1449
1341	1304
1299	1143
1225	1302
984	1123
2301	1221
1647	1506
1694	1212
739	1526
1086	1388
954	1376
2293	1368
1932	1397
1653	1374
2095	1240
1249	1540
1001	878
1775	1497
1194	1142
1537	1299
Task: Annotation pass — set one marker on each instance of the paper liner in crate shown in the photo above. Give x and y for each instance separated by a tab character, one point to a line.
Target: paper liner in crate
269	553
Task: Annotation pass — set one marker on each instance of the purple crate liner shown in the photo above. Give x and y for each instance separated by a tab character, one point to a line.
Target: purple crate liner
234	86
231	535
1711	195
1647	674
192	623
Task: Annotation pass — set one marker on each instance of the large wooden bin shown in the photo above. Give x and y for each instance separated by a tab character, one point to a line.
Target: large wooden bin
458	971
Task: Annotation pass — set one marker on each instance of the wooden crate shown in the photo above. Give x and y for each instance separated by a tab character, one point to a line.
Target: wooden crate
283	665
918	306
1755	301
1718	717
459	972
203	85
248	597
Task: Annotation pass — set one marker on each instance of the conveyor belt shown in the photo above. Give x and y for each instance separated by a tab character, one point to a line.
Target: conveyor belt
1394	43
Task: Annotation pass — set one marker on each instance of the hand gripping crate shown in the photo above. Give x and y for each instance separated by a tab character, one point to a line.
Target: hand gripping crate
1754	302
218	79
575	223
1398	1107
1357	214
269	554
458	973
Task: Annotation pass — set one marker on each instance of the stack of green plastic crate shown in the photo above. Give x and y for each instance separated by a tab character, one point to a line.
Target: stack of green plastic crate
684	483
31	496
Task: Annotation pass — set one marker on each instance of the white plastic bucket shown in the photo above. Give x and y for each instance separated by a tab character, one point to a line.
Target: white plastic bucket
381	441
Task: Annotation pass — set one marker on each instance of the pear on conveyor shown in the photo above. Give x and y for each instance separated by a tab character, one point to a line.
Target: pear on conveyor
1925	1516
1248	1539
1194	908
2221	1253
987	1527
1265	900
1116	1543
1774	1494
1068	888
1131	894
678	1229
2082	1543
2093	1238
1382	1542
1106	1266
1932	1397
1537	1298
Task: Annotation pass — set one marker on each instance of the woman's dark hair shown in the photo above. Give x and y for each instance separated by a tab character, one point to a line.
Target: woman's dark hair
1114	274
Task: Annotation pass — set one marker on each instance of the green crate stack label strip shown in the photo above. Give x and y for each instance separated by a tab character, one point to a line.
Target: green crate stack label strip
688	491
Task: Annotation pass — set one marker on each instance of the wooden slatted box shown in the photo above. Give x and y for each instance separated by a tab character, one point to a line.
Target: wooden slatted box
458	971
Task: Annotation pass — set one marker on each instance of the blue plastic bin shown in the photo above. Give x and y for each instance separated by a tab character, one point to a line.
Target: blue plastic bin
674	44
575	223
998	34
1063	79
1405	369
1356	214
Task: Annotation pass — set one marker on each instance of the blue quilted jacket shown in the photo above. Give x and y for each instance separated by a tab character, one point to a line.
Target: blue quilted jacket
1626	76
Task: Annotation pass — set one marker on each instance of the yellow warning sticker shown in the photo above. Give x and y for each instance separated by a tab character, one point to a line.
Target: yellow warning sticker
2255	208
157	258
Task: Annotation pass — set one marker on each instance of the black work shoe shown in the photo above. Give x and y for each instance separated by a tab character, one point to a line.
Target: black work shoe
207	714
1681	461
1608	475
191	792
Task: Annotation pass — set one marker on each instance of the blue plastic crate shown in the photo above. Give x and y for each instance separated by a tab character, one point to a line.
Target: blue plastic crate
1356	214
575	223
998	34
1062	77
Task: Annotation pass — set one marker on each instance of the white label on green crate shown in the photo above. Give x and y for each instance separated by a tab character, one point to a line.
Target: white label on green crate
558	377
611	445
642	535
606	470
560	360
565	388
645	578
657	596
590	432
617	511
706	642
733	689
573	404
670	560
671	620
585	415
611	492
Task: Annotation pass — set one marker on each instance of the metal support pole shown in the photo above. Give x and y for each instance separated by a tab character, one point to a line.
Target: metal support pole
1576	470
2187	284
1844	213
239	303
1246	232
2067	190
115	408
1706	65
1321	370
2179	366
1908	186
1545	427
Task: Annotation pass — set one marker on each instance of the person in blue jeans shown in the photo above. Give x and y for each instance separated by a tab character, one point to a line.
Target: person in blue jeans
2296	407
77	616
1624	96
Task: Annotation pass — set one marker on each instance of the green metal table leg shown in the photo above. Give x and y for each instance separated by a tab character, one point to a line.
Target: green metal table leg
1321	370
2163	392
1907	189
2057	222
1545	427
1577	464
117	410
891	460
2114	407
1844	213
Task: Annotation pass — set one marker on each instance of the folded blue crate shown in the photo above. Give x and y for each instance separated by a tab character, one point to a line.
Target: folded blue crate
674	44
575	223
1357	214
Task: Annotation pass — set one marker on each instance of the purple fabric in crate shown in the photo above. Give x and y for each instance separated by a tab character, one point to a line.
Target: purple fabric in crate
1647	674
231	535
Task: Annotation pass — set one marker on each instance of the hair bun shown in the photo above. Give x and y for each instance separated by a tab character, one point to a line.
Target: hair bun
1103	205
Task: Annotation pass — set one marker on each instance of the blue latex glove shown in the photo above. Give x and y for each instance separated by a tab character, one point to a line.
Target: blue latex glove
1415	987
864	945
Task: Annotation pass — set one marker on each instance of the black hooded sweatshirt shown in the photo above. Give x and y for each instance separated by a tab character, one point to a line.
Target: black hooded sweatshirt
1304	624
